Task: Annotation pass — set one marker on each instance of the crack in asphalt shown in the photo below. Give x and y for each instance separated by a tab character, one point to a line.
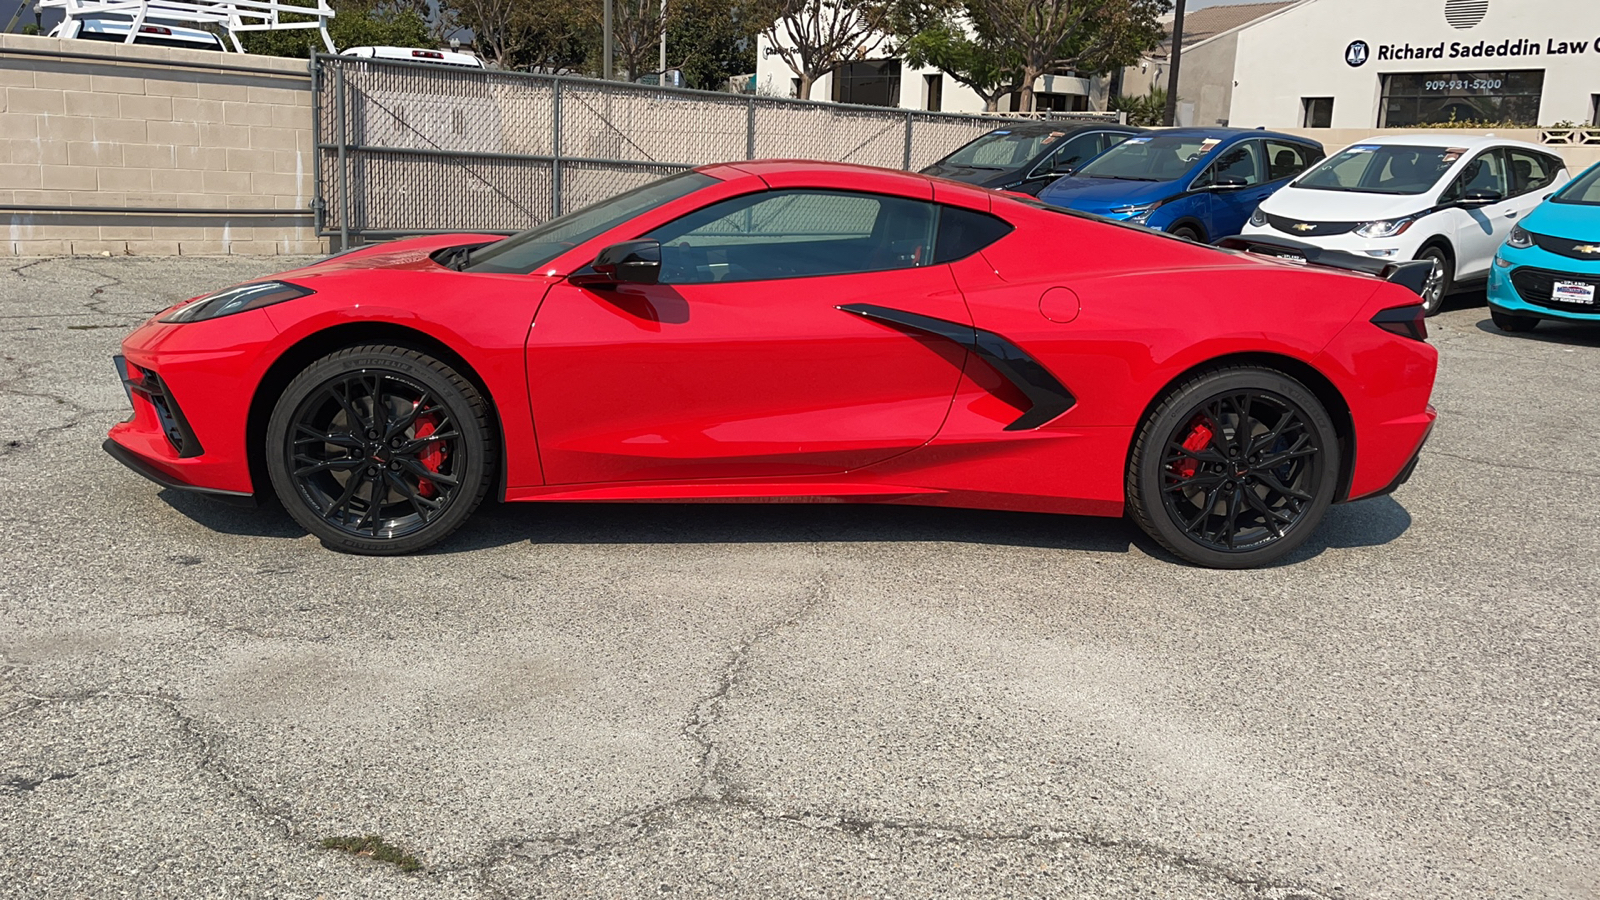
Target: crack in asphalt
1519	466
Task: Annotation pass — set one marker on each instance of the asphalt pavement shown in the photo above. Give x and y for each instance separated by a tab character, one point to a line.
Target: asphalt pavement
793	701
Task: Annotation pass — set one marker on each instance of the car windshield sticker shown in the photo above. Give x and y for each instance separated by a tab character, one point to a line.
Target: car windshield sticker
1361	148
1051	138
1207	145
1137	141
1453	153
999	132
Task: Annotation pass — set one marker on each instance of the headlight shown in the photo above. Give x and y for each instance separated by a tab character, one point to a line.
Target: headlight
1384	229
1136	213
1258	218
1519	238
237	300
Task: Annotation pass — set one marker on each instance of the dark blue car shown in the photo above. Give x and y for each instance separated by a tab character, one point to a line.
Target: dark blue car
1197	183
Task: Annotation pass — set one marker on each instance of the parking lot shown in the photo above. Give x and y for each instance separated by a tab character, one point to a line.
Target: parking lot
794	701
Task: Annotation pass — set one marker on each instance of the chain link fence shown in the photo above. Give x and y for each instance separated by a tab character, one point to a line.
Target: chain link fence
405	148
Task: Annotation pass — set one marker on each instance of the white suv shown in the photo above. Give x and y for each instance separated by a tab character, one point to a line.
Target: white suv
1444	198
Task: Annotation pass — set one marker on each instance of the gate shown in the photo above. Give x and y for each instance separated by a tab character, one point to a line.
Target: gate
406	148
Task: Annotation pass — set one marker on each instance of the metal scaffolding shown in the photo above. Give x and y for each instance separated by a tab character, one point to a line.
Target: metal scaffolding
234	16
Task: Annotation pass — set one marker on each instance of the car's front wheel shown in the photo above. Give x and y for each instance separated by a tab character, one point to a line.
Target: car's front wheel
1512	322
1234	469
1440	280
379	450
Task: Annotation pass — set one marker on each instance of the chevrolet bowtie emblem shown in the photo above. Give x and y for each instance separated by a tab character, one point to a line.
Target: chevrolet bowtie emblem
1303	226
1587	248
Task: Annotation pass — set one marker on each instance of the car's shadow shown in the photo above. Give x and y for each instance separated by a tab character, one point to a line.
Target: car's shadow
1368	523
1550	331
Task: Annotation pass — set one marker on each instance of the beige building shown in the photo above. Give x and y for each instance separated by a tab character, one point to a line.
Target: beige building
1205	73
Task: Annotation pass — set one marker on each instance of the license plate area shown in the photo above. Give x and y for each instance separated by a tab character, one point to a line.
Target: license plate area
1575	293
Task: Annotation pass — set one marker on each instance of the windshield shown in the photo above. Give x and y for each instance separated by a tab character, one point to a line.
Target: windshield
522	253
1160	158
1584	190
1001	150
1379	169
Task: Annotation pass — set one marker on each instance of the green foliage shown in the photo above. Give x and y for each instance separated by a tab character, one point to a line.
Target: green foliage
356	23
1146	111
711	41
375	847
980	64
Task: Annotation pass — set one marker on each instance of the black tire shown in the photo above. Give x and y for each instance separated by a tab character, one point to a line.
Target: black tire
1194	474
380	450
1188	233
1512	322
1440	282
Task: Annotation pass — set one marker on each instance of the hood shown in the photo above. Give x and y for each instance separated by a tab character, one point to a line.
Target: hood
1344	206
1573	221
406	253
970	175
1098	195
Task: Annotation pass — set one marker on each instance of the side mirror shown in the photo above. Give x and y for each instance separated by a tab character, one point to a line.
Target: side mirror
630	262
1474	199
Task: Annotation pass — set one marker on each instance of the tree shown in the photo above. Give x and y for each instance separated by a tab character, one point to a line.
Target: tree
1150	109
814	37
711	41
1084	35
530	35
947	44
356	23
636	27
998	47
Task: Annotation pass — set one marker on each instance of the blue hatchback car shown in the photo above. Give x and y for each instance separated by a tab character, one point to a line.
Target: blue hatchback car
1549	266
1197	183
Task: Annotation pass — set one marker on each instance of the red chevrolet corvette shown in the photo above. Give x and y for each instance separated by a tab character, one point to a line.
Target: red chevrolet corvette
798	330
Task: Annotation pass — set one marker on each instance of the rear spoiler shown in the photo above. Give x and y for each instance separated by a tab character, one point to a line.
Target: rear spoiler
1411	275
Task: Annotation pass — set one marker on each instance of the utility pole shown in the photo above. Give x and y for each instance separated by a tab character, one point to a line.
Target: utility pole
1172	74
606	45
663	67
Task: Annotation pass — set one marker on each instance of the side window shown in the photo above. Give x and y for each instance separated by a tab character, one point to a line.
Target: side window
963	232
1286	160
1239	163
1530	171
796	234
1073	153
1486	172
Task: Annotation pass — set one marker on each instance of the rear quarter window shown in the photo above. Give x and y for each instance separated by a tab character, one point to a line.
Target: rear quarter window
963	232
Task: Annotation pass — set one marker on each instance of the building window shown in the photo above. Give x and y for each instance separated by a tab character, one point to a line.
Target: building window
871	83
794	87
1594	109
1316	112
1043	102
933	92
1438	98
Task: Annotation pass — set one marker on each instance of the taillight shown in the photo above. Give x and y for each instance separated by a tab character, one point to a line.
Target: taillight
154	29
1406	321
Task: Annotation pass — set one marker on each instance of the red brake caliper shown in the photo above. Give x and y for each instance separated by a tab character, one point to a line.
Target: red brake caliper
433	456
1199	437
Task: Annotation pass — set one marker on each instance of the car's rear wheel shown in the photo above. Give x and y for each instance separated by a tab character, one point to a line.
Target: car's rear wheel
1187	232
1506	321
1234	469
379	450
1440	279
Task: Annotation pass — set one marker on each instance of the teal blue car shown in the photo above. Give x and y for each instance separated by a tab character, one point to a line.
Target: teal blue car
1549	266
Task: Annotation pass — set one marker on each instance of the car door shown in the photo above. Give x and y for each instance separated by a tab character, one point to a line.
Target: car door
740	363
1480	227
1235	183
1533	176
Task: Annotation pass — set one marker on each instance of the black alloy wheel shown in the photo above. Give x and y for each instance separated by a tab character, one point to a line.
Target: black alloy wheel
1234	469
1441	279
1188	233
379	450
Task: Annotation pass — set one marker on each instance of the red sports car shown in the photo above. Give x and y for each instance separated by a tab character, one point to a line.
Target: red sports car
797	330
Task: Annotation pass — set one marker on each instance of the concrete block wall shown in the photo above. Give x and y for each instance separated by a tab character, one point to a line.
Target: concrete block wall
208	153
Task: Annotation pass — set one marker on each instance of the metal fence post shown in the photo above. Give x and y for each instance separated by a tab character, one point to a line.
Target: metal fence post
344	167
750	128
319	206
907	164
555	149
